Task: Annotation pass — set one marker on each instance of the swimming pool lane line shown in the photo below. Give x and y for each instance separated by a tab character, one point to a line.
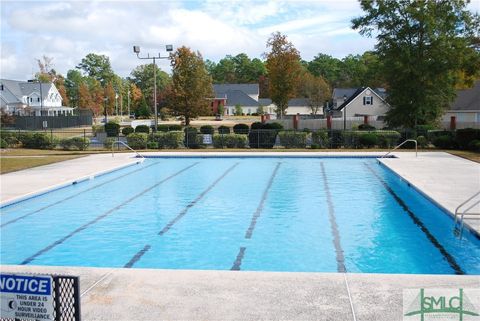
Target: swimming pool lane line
416	220
258	212
170	224
333	224
73	196
100	217
248	234
238	261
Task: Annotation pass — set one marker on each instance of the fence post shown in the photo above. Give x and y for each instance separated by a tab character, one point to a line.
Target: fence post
51	134
329	122
84	135
258	138
453	122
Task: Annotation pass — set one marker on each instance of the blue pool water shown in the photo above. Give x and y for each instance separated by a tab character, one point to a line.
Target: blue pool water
260	214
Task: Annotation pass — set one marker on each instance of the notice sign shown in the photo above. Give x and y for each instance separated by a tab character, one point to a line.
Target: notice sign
207	139
26	297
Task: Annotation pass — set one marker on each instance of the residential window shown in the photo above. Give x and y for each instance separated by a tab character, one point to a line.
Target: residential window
1	87
368	100
38	99
31	99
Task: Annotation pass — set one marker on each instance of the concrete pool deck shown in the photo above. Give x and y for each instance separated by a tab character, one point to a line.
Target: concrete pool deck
146	294
19	185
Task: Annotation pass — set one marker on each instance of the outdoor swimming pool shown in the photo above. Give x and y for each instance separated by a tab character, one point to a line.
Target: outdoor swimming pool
257	214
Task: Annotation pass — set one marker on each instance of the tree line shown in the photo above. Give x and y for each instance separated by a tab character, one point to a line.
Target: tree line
425	50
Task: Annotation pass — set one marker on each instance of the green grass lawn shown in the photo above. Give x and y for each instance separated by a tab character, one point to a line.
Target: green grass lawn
11	164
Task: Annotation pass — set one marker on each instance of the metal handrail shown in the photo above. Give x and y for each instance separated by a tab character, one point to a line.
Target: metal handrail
125	144
462	214
400	145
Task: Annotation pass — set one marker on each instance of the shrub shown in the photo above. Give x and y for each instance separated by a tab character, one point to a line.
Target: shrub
368	140
108	142
241	129
75	143
137	140
37	140
230	141
169	128
112	129
433	134
127	130
463	137
207	130
276	126
224	130
10	138
292	139
422	130
474	145
169	139
336	138
387	138
152	145
366	127
320	139
98	129
444	141
142	129
3	143
263	135
422	141
191	139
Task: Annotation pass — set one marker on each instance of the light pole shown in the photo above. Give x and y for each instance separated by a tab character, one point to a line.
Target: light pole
168	48
105	99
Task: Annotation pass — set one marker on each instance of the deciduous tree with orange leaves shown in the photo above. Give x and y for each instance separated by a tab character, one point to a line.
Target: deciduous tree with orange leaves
284	70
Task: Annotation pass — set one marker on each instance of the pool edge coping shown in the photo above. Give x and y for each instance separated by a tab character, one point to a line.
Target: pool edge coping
442	208
56	187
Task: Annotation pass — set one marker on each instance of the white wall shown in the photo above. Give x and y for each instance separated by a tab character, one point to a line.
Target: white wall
356	106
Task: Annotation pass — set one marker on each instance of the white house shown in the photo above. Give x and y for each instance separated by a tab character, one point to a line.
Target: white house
31	99
247	97
357	102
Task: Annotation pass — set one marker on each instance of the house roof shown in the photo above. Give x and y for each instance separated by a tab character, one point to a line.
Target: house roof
238	97
468	99
298	102
265	101
249	89
18	89
352	93
339	93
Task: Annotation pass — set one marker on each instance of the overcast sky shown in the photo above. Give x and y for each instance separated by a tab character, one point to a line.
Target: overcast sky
68	30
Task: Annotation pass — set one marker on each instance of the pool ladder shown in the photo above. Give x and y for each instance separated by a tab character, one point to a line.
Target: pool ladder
126	145
462	212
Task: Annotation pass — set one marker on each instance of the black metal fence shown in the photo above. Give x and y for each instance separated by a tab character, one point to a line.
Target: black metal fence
82	139
45	122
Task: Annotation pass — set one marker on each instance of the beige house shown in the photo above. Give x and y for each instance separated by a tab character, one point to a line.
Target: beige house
466	107
358	102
